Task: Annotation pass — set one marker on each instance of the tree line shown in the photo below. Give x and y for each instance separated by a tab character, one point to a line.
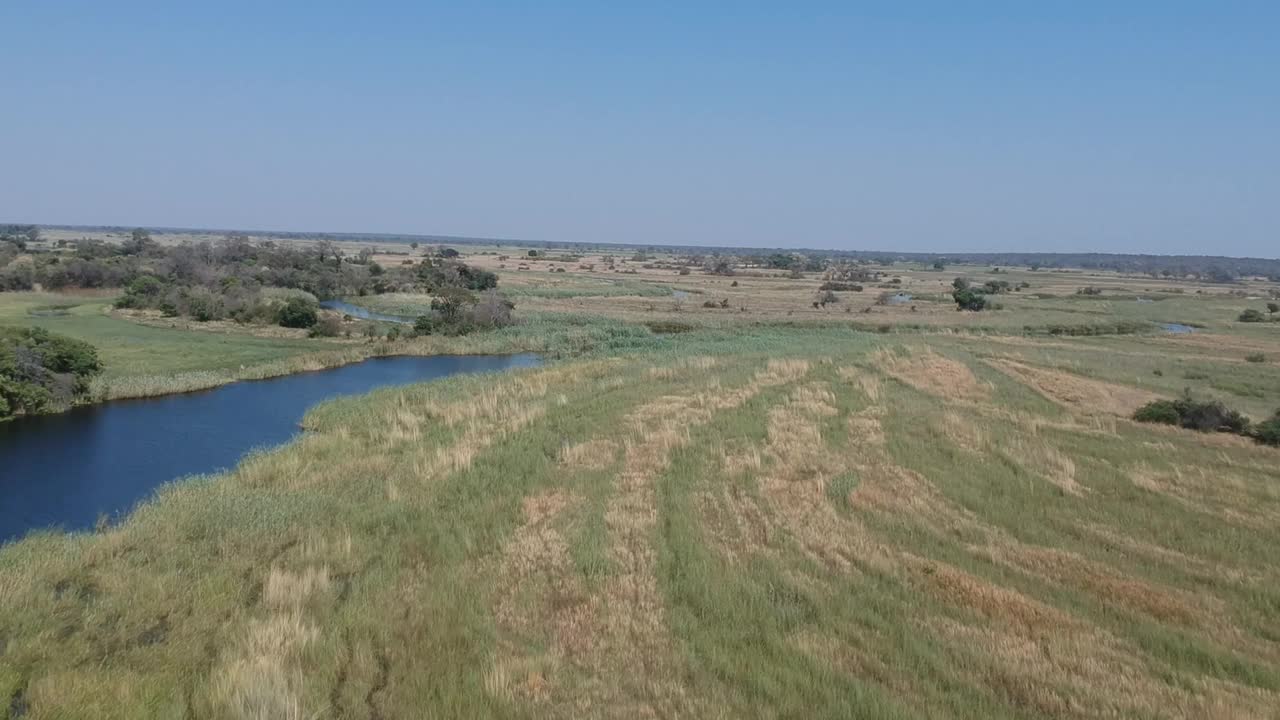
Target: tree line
237	279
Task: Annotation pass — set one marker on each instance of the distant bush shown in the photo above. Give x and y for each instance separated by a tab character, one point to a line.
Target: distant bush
1163	412
326	326
1201	415
41	371
1255	358
1089	290
840	286
1268	432
969	299
1252	316
297	313
458	312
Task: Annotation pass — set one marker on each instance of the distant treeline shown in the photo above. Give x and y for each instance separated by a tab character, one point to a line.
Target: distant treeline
233	277
1204	267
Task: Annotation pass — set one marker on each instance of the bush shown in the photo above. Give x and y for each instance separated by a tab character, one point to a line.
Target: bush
1251	316
1201	415
327	326
1163	412
1268	432
970	300
41	371
1255	358
297	313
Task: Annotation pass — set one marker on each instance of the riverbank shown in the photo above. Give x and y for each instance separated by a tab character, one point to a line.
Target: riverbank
94	464
145	358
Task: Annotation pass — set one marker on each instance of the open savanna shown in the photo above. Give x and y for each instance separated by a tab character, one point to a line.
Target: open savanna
757	521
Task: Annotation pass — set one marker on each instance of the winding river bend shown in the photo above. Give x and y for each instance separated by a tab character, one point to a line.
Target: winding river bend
65	471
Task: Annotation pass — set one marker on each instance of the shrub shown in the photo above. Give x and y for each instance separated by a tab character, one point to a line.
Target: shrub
297	313
1255	358
1202	415
1163	412
493	310
327	326
1251	316
969	299
1268	432
41	371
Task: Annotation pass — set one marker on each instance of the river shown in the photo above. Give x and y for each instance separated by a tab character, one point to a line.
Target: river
67	470
360	313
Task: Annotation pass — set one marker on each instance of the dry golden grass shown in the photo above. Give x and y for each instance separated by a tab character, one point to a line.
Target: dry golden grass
1079	394
929	372
594	454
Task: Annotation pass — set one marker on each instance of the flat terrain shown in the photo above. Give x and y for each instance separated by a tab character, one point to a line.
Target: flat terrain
763	510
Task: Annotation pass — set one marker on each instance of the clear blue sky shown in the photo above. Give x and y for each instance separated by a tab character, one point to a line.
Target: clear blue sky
928	126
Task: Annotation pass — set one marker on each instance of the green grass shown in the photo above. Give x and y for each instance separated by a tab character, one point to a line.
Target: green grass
744	537
130	350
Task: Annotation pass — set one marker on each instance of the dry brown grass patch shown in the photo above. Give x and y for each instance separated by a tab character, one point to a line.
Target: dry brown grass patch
927	371
1080	394
589	455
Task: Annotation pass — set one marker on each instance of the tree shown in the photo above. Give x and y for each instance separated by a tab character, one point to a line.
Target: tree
297	313
414	244
41	371
969	299
327	248
450	303
960	283
138	242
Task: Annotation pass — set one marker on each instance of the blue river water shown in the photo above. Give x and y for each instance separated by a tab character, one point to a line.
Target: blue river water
67	470
360	313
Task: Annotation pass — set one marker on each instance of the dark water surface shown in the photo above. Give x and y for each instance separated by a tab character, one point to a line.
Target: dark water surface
66	470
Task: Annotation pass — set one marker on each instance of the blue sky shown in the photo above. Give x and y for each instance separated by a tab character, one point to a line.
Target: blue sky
927	126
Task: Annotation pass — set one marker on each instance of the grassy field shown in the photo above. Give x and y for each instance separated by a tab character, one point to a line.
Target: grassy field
768	514
145	357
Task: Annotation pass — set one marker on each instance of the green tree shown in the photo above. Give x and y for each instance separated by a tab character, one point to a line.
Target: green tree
969	299
297	313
